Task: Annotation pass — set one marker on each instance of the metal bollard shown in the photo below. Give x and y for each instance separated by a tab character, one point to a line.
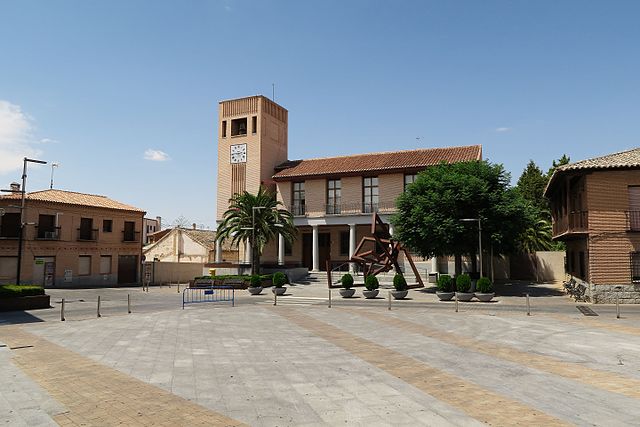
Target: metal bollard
233	297
98	313
275	297
329	297
62	311
528	305
178	287
617	305
456	297
129	303
389	295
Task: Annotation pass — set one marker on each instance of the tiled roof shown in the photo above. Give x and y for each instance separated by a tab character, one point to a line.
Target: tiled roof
73	198
623	159
206	238
374	162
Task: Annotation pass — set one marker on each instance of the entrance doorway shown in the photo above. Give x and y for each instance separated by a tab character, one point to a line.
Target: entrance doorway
44	270
324	250
127	269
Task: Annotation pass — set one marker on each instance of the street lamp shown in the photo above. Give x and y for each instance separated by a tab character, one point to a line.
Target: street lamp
22	209
479	237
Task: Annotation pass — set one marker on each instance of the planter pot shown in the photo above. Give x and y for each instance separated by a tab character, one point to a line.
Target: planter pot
347	293
399	294
464	296
370	294
485	297
279	291
255	290
445	296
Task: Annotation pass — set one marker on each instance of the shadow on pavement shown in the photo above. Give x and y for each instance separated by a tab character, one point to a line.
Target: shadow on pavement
519	288
18	317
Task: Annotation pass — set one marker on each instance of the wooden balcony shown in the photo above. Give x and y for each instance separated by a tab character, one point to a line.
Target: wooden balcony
576	222
633	220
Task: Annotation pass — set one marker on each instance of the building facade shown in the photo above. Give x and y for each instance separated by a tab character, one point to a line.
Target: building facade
71	239
150	226
595	207
332	198
187	245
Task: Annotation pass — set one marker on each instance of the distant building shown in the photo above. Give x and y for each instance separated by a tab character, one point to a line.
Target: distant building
595	205
71	239
186	245
149	227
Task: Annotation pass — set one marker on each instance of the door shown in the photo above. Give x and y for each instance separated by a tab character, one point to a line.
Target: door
307	251
43	270
324	249
127	269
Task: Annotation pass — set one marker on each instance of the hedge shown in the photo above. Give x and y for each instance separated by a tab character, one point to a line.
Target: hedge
13	291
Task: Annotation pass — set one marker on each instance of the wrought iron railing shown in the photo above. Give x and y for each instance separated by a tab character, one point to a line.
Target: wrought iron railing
87	234
47	233
130	236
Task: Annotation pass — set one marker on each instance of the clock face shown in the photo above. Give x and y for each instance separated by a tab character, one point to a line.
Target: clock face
239	153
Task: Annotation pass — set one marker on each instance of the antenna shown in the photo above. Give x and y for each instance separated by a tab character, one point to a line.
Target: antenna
53	165
273	92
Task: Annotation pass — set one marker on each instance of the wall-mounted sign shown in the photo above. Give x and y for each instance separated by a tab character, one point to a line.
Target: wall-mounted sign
68	274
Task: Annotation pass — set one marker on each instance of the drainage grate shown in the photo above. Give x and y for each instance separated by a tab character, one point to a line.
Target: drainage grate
587	311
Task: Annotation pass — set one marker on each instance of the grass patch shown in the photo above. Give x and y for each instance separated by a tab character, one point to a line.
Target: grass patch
13	291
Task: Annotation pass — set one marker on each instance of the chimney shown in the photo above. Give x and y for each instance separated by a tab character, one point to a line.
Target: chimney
159	219
14	186
194	225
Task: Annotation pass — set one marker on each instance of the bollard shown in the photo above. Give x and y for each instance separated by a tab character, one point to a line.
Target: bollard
528	306
98	312
62	311
617	305
329	297
275	297
178	287
129	303
456	302
233	297
389	295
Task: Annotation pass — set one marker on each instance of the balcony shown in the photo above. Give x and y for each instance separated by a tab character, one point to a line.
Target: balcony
298	209
574	222
633	220
47	233
130	236
87	234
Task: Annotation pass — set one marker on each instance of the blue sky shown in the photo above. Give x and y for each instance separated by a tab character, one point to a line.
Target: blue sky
94	85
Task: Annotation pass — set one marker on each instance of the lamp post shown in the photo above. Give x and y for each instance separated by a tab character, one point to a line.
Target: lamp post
479	237
22	209
53	165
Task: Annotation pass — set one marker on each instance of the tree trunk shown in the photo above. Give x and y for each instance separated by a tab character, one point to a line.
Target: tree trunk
458	264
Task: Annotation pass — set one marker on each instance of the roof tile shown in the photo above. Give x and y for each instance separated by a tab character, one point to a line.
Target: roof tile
73	198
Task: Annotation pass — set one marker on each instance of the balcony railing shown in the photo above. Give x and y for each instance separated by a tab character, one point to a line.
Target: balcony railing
47	233
87	234
633	220
130	236
345	208
298	209
574	222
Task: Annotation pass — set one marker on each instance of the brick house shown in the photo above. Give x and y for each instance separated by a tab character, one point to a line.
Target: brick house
595	206
331	198
71	239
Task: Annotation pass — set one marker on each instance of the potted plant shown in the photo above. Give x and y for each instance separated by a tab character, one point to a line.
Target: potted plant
347	282
445	288
463	286
371	283
255	285
279	280
484	290
400	286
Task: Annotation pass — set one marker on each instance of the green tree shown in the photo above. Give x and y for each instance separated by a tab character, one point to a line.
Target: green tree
429	212
537	236
561	161
531	185
242	223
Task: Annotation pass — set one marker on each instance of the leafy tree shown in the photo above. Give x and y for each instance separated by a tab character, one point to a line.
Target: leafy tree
561	161
429	212
270	220
537	237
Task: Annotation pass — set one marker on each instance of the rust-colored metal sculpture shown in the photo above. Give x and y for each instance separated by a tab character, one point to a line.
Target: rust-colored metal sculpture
378	253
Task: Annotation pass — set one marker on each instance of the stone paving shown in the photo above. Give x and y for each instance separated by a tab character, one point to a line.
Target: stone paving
301	363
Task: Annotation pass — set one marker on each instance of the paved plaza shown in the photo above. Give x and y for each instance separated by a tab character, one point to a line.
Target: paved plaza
301	363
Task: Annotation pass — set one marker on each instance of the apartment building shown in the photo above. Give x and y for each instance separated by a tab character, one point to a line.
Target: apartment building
596	211
331	198
70	239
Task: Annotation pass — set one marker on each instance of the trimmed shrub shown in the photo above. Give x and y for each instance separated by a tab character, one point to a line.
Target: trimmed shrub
371	283
399	282
463	283
14	291
347	281
484	286
255	281
280	279
445	284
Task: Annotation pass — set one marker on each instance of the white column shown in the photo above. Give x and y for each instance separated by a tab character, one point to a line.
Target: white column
434	264
218	250
315	249
352	244
391	229
247	252
280	249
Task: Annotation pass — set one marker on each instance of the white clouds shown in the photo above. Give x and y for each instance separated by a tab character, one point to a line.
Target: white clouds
156	155
502	130
16	137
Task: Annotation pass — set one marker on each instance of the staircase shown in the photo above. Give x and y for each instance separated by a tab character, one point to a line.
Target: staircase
385	279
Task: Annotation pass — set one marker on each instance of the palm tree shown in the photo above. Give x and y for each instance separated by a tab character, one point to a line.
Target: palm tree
259	217
537	237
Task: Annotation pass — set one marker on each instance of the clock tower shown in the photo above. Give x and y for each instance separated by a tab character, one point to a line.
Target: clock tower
252	141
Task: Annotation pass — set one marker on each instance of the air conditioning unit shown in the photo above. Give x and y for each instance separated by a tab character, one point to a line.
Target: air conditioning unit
49	234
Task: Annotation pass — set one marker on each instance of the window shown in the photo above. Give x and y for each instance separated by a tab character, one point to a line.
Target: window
635	267
334	197
288	250
86	231
47	227
239	127
409	179
129	233
84	265
370	194
10	225
105	264
298	198
254	124
224	128
107	225
344	243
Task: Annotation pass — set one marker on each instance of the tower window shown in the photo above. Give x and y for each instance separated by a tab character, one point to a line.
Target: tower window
239	127
254	124
224	129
